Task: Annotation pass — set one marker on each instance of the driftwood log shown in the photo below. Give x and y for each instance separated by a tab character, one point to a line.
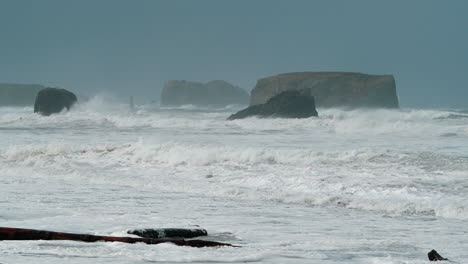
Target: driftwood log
7	233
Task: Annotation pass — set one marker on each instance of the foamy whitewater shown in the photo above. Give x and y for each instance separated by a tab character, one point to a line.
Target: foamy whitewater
362	186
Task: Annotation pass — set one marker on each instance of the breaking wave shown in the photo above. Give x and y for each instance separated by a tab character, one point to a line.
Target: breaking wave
376	160
97	115
394	182
100	113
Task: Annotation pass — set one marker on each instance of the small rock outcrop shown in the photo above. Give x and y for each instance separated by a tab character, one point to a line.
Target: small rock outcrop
434	256
332	89
288	104
53	100
18	94
212	94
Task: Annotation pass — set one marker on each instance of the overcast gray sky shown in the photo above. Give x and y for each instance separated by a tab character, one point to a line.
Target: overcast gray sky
135	46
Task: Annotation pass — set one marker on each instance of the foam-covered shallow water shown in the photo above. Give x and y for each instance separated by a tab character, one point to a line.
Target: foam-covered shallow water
361	186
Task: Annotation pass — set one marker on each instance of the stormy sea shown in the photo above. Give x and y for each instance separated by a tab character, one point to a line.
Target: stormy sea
349	186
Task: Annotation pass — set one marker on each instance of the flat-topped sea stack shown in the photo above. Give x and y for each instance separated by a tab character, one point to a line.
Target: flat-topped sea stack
332	89
18	94
212	94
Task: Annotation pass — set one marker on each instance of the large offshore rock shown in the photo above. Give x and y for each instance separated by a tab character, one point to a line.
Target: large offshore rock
18	94
287	104
53	100
332	89
212	94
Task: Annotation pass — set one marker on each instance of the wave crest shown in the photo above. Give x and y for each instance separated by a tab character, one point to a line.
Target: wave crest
394	182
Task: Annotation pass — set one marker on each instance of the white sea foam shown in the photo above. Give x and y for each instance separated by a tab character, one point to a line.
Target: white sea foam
368	179
102	110
357	186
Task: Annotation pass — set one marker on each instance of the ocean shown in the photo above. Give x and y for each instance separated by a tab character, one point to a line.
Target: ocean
351	186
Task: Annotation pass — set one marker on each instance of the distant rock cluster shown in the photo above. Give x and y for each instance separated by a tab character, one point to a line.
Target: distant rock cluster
290	95
321	89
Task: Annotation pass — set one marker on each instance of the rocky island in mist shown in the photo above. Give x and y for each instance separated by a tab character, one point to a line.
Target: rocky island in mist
332	89
273	96
216	93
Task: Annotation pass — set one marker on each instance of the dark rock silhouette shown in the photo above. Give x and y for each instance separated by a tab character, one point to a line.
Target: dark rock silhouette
53	100
168	232
8	233
212	94
18	94
434	256
332	89
288	104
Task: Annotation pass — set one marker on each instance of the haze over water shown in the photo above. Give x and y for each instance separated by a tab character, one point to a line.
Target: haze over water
134	47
